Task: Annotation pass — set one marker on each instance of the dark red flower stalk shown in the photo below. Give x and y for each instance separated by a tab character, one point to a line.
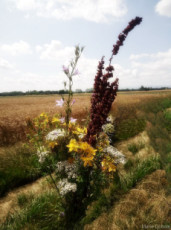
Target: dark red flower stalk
122	36
104	92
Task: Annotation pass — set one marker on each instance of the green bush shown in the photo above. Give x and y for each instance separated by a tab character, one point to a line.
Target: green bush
129	128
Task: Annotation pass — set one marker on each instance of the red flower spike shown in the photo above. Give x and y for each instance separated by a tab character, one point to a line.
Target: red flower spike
104	92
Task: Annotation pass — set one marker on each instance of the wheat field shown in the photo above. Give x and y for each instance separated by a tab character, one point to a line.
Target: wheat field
15	110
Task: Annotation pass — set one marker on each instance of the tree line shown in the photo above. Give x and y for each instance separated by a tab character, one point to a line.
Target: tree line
49	92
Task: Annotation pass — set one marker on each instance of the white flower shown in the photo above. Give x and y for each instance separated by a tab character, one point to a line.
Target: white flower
53	135
71	171
65	186
108	128
68	168
113	152
60	166
42	154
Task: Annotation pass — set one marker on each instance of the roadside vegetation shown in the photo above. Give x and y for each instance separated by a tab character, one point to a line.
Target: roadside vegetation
19	166
105	167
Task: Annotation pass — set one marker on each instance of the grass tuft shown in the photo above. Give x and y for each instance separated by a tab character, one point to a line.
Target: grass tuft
135	147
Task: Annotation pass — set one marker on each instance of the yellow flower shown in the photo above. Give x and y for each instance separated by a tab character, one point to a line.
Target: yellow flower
88	160
53	144
43	115
73	145
108	165
80	146
86	148
87	151
80	130
46	121
55	120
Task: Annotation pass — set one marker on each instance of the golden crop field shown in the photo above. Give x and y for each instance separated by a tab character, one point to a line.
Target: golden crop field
15	110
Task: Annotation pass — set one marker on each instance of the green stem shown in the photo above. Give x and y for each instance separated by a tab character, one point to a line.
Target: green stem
50	174
70	94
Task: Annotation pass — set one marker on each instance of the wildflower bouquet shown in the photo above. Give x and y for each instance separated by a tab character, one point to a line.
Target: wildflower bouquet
82	158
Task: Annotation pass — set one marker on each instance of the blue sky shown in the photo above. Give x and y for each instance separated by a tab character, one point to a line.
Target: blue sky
38	37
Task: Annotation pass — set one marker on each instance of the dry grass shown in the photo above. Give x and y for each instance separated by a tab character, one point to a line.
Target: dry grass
15	110
146	204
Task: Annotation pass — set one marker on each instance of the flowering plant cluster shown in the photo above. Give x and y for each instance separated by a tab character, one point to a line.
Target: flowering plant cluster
105	92
83	159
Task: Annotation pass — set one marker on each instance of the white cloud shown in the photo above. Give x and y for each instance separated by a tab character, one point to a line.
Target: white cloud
147	69
55	51
163	7
87	68
17	48
4	64
26	4
91	10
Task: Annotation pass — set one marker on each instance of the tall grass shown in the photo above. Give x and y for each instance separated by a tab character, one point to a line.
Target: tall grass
18	166
158	116
43	212
120	186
